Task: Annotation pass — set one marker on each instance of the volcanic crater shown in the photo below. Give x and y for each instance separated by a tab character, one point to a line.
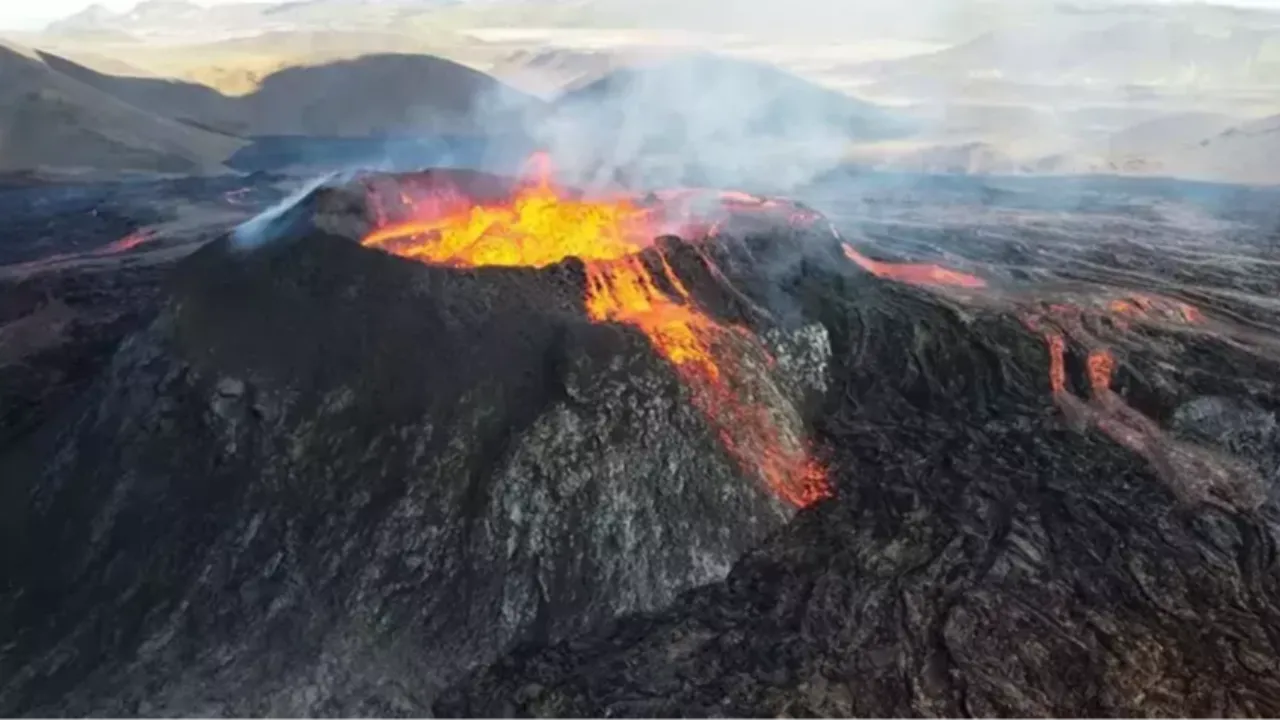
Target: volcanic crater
440	409
449	442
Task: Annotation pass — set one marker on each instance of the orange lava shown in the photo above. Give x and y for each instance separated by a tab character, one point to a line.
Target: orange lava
1057	362
914	274
1142	306
116	247
129	242
541	226
1101	364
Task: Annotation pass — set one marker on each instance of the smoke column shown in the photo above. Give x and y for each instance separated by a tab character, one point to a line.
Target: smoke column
275	221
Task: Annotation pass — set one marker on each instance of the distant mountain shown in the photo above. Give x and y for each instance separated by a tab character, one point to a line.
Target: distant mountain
1171	133
708	119
1197	146
51	119
150	17
723	91
549	71
970	158
182	18
385	94
1152	51
796	19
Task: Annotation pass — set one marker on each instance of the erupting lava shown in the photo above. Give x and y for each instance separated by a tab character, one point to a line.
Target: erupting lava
541	226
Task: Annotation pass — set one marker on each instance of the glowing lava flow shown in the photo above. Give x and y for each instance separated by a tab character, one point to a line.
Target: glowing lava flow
541	226
1195	474
912	273
129	242
116	247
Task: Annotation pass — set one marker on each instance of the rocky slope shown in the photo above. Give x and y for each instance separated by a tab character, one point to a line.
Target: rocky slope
327	480
49	118
989	552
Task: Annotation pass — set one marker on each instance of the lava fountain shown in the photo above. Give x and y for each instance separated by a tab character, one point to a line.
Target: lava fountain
542	224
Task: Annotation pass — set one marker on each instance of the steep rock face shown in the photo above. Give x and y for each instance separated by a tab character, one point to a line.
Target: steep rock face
327	481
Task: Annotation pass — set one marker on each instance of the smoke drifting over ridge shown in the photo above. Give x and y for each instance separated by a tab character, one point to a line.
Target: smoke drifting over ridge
703	120
685	118
688	119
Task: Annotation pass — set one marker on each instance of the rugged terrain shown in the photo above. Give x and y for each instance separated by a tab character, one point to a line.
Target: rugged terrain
994	547
397	470
275	475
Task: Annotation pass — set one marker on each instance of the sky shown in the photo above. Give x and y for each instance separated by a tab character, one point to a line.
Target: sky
34	14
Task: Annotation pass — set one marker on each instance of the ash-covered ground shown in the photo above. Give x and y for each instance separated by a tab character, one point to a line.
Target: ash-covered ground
312	478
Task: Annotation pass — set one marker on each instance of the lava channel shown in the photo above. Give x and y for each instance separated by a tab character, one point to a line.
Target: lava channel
913	273
541	225
1195	474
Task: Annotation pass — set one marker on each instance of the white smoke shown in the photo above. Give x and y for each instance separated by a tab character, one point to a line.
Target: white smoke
270	223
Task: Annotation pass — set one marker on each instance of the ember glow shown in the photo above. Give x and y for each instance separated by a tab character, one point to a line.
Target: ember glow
542	225
1194	473
912	273
129	242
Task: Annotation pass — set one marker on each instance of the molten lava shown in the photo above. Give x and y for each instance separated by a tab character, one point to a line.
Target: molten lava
1195	474
541	226
914	274
129	242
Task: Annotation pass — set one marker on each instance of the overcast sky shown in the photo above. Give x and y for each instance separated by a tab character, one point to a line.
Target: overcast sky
34	14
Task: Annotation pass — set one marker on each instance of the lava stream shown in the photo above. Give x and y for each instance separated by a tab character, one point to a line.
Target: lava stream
542	226
129	242
913	273
1195	474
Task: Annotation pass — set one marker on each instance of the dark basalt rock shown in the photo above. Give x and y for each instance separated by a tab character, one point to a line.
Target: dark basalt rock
982	556
326	480
315	479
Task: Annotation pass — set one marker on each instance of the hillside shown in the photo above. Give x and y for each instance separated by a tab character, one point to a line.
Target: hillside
1167	134
548	71
798	19
382	94
1150	51
369	95
237	65
51	119
708	119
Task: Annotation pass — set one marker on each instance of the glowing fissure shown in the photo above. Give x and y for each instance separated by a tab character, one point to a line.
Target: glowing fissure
540	227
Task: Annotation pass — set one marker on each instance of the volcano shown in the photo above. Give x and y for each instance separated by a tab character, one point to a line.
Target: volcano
440	411
454	443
